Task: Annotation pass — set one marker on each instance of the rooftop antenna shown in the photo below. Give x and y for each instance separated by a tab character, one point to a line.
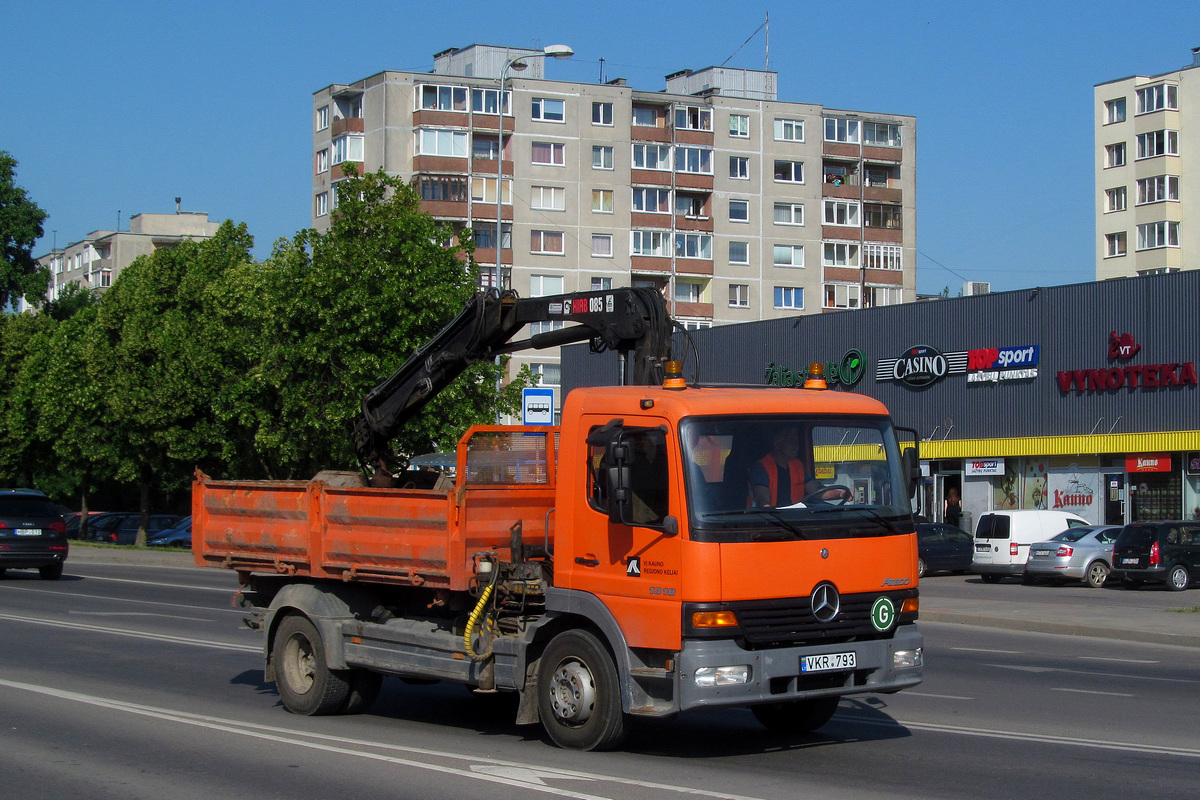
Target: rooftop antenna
178	200
602	70
767	46
118	219
751	36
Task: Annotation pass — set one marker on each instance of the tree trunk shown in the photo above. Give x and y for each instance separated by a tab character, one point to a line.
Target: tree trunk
144	522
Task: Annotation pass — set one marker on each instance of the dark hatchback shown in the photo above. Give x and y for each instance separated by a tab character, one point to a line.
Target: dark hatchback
943	547
32	533
1158	552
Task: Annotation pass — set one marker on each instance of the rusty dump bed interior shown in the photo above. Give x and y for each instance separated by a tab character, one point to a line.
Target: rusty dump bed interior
421	537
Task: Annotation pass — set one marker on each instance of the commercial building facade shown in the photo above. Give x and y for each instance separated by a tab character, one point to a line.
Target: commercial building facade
736	205
1082	398
1147	145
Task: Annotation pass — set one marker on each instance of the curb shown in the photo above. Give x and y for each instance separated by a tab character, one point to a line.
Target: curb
1063	628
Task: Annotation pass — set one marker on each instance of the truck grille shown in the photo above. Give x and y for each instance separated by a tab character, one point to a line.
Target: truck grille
790	620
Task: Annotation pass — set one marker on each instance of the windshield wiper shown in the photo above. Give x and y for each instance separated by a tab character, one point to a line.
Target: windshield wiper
875	516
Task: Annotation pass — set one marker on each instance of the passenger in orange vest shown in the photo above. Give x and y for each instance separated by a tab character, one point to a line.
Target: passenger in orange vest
779	479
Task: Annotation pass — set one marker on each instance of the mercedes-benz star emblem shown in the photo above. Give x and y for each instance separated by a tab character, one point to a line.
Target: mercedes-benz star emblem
825	602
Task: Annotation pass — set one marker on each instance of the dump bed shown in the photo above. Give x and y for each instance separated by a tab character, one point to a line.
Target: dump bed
425	537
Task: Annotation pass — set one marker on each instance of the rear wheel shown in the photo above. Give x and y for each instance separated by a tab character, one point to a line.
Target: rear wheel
796	716
989	578
1178	578
1097	574
306	684
51	572
922	568
579	699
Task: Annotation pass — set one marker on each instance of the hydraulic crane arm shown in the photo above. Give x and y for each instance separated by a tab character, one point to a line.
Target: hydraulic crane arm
632	321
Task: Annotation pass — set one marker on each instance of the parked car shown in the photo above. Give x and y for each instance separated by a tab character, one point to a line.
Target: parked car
126	531
1084	554
1158	552
178	536
32	533
942	547
101	526
1002	539
74	520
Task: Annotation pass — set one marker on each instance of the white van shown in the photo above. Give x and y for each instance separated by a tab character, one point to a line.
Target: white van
1002	539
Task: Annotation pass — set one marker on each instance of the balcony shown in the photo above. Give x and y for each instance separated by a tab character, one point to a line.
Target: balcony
694	222
689	136
693	310
347	125
441	119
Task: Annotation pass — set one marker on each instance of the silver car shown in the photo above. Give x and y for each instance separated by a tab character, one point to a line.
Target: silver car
1084	554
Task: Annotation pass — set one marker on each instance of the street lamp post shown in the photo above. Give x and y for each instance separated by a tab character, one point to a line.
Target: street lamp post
518	63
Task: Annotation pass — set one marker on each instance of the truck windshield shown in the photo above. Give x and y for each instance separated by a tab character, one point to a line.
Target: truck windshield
778	477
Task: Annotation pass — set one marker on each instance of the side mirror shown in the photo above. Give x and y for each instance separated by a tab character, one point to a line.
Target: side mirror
912	470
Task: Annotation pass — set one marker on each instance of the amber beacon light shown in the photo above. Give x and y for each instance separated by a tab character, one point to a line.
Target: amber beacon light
816	377
674	376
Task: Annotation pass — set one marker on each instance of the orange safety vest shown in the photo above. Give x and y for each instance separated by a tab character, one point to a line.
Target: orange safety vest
795	474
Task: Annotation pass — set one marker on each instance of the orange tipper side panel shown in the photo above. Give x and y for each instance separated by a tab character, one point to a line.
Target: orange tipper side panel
374	533
252	523
488	514
792	569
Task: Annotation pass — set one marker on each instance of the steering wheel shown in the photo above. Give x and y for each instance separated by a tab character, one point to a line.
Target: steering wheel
819	495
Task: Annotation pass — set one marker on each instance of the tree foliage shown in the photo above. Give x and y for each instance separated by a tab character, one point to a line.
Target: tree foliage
20	227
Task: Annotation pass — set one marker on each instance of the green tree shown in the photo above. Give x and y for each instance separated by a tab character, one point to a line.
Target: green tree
24	349
20	227
338	311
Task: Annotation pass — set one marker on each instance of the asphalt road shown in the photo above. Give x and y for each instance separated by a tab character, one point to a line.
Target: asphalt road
134	680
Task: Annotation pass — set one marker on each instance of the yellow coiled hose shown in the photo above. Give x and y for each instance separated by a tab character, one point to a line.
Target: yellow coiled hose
472	620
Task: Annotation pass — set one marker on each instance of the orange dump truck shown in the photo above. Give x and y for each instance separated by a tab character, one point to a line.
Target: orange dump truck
623	564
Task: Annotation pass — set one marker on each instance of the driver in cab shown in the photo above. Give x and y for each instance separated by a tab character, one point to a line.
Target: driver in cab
779	478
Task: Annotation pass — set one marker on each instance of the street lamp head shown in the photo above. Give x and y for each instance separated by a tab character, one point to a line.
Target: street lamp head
558	51
517	65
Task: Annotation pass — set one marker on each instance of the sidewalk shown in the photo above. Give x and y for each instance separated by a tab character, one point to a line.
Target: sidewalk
1149	614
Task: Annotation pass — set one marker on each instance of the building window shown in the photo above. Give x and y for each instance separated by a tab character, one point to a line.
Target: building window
441	188
651	200
645	116
1156	98
839	254
322	118
547	198
697	160
651	243
881	134
350	148
789	255
1157	189
601	284
1115	244
548	109
879	176
543	286
1155	235
551	153
444	98
323	160
546	374
789	297
882	215
602	247
1114	155
602	201
435	142
688	291
883	296
883	256
841	130
602	113
105	277
789	130
322	204
789	214
602	157
789	172
483	190
690	205
1114	111
546	242
739	211
739	126
486	148
841	295
693	118
1157	143
739	295
841	212
693	245
1114	199
739	167
485	236
652	156
739	252
483	101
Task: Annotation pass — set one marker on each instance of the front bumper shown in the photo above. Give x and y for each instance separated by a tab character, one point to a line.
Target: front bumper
775	674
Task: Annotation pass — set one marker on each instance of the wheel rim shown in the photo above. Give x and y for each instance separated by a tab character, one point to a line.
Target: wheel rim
299	664
1097	574
573	693
921	568
1178	578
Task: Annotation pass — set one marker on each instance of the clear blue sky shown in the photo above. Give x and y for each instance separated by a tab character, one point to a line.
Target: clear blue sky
121	107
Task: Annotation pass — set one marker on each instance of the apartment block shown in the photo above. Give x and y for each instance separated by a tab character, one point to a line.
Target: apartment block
738	206
1144	146
95	261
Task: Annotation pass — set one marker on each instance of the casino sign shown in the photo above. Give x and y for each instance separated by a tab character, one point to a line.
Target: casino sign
921	365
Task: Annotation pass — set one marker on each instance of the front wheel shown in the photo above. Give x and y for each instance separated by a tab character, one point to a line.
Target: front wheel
1097	574
922	568
796	716
306	683
1178	578
579	697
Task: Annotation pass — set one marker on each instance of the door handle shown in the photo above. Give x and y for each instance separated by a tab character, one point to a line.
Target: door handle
587	562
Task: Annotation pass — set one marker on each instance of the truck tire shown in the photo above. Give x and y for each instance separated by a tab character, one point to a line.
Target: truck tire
364	689
796	716
579	698
306	684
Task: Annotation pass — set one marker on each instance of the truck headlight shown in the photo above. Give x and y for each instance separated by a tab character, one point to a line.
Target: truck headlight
723	676
908	659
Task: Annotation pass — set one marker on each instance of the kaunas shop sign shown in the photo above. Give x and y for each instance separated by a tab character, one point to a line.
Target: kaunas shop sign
1146	377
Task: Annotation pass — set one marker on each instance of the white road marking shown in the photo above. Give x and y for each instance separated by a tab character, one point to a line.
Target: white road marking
157	637
1121	660
1089	691
911	693
988	650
